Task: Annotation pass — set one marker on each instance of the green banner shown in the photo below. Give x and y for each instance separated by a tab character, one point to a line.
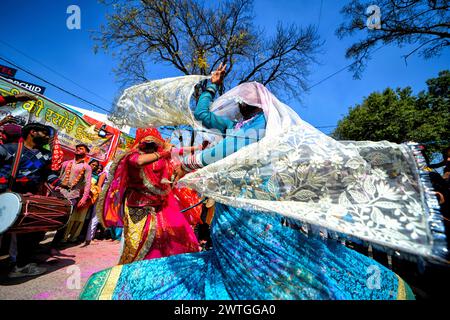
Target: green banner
72	128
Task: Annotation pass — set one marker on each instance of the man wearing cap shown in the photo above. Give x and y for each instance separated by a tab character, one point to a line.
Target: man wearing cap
10	133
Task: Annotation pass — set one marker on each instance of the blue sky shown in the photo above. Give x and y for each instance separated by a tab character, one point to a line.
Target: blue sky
38	28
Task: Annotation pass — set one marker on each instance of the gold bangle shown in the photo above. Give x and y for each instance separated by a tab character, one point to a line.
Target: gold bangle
157	155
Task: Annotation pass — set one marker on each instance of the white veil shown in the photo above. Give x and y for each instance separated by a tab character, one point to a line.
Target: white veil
372	191
278	115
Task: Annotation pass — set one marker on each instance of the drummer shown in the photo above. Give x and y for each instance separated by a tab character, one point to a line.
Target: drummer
33	171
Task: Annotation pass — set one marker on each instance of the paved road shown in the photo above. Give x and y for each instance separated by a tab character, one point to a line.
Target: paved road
66	274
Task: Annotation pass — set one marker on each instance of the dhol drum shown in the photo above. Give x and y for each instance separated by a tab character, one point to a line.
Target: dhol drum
32	213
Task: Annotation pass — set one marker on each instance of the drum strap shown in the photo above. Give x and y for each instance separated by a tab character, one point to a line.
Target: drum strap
15	167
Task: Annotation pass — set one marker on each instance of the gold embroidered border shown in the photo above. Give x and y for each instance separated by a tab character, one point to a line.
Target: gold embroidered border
135	220
401	290
150	237
110	284
151	187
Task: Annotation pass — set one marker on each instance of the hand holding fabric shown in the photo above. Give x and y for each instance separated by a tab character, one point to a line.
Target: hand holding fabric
167	147
179	173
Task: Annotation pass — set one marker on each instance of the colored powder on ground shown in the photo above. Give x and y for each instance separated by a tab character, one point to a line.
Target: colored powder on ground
42	296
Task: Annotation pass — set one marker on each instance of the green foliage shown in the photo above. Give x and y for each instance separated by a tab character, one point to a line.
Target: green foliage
420	27
400	116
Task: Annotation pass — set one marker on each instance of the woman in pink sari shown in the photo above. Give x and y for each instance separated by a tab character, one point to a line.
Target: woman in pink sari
139	197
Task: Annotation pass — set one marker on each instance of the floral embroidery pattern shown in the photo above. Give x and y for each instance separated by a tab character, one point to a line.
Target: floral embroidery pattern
368	190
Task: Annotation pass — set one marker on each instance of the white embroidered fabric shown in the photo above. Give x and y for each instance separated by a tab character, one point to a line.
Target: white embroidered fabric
298	174
368	190
157	103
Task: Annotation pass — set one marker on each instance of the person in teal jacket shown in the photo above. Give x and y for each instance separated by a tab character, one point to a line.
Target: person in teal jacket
254	256
237	133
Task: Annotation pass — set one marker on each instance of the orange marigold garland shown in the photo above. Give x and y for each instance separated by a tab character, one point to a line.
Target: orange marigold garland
67	176
57	154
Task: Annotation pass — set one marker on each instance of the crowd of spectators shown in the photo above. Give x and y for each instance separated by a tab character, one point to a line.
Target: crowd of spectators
39	174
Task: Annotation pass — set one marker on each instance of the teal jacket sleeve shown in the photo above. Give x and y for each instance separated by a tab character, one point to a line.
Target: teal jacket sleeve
208	118
253	132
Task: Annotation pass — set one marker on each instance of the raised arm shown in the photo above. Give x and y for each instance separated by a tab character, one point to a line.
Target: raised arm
145	159
226	147
138	160
202	112
23	96
208	118
189	150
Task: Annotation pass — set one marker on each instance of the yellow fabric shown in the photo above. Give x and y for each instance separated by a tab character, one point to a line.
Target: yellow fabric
401	291
110	284
134	224
79	215
75	224
69	228
150	237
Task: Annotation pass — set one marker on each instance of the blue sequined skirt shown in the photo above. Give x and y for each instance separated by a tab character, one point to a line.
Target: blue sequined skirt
254	257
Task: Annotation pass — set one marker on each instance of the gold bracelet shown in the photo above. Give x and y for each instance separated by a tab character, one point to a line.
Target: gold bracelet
157	155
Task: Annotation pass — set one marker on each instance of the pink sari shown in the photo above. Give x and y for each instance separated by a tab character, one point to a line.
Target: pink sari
137	200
